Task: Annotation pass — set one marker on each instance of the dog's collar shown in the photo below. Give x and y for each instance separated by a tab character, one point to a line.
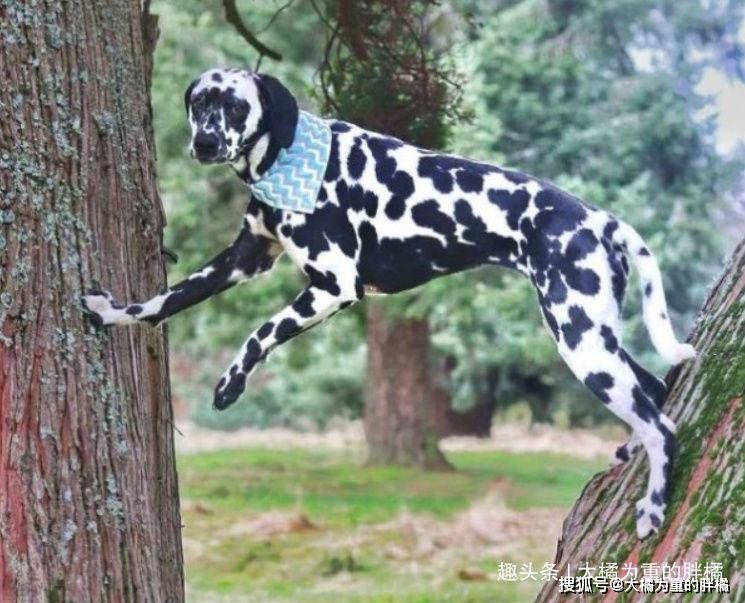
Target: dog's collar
294	179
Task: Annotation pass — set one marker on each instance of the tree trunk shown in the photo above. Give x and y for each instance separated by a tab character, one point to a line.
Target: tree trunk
477	420
401	418
706	516
88	491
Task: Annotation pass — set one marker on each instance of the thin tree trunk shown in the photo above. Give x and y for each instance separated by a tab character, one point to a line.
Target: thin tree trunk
706	516
402	415
88	491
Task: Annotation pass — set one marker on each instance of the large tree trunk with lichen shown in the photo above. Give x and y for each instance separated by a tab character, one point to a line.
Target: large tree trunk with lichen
706	516
88	491
403	405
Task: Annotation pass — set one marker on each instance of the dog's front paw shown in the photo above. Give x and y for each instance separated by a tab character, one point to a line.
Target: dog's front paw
229	389
649	517
99	306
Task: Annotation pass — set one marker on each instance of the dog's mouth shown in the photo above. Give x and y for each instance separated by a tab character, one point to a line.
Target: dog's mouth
208	158
206	147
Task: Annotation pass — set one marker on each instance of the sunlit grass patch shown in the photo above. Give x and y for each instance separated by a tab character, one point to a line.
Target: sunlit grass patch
344	492
306	526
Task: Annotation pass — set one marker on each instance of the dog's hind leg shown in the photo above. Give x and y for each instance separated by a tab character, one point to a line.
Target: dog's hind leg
612	379
654	388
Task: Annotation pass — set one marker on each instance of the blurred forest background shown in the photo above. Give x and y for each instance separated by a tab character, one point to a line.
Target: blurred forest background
612	101
603	98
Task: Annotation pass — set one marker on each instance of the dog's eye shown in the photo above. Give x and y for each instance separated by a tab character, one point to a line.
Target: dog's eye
236	110
198	104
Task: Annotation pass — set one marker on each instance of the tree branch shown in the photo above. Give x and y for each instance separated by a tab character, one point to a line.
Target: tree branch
277	13
233	17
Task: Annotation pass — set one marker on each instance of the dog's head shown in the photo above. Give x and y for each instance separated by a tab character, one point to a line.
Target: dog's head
232	110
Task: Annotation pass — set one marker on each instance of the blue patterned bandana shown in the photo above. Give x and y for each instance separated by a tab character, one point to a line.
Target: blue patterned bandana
294	179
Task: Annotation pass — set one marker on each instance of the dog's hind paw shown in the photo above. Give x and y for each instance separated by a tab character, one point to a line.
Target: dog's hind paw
649	518
624	451
620	456
229	389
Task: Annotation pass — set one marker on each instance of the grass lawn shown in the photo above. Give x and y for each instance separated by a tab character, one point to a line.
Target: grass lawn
305	526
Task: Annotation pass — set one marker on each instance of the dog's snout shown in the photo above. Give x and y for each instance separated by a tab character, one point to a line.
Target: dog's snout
206	144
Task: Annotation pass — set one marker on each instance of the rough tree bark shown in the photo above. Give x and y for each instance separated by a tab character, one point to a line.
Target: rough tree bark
401	418
88	492
706	516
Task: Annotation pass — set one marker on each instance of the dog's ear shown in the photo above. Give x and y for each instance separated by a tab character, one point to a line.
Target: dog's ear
281	108
187	95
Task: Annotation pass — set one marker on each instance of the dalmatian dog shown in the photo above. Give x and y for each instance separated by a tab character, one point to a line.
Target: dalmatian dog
390	216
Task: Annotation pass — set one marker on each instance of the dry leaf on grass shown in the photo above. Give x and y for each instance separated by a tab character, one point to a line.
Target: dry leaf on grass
470	575
195	506
274	523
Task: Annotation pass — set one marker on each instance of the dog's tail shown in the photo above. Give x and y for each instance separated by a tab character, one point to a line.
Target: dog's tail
655	313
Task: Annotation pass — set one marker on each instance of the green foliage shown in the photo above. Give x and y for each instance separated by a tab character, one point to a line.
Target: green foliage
383	70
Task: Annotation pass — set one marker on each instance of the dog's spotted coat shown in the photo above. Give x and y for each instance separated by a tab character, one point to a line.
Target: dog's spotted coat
390	217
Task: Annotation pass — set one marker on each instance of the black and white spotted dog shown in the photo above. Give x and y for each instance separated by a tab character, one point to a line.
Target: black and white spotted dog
391	216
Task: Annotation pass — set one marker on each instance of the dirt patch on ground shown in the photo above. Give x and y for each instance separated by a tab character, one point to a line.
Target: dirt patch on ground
349	436
581	443
487	528
272	524
414	547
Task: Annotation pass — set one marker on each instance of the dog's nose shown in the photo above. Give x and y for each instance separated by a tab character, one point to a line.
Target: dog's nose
205	144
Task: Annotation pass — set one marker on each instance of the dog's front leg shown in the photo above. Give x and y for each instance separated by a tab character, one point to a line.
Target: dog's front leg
309	308
248	255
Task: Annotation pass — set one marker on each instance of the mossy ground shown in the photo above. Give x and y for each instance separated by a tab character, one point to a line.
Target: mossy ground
377	533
